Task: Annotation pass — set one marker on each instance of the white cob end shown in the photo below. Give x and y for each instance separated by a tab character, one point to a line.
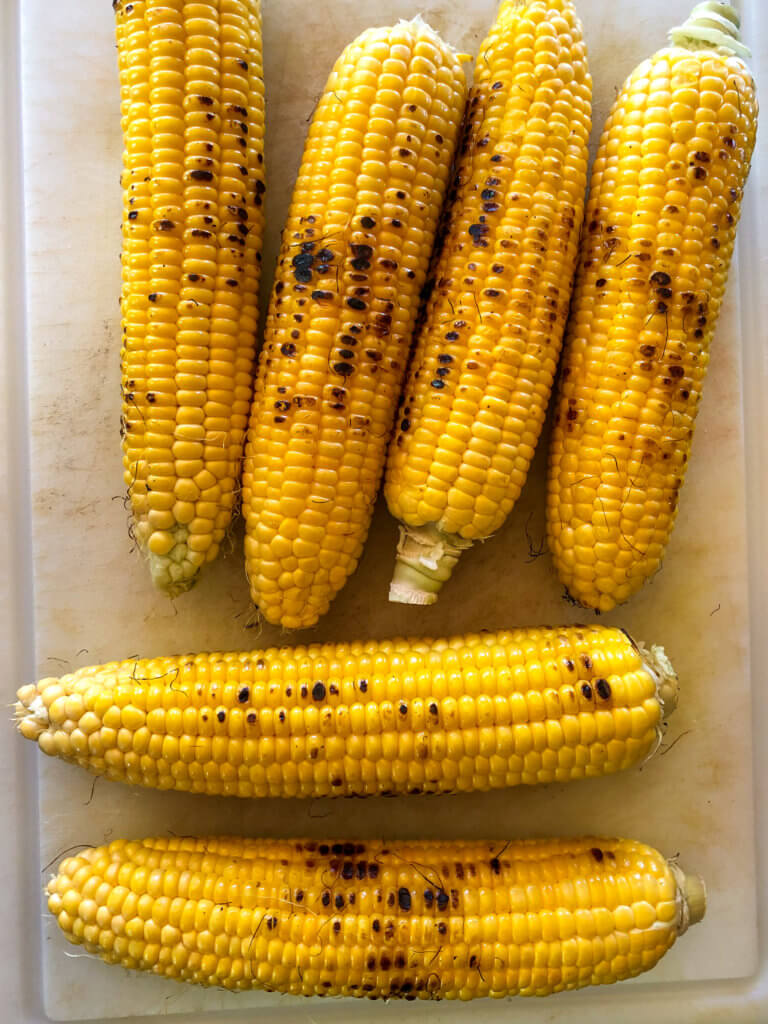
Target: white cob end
691	898
711	24
659	667
420	24
175	572
425	560
31	714
403	593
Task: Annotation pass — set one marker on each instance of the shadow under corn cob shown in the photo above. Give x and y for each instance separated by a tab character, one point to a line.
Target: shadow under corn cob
192	102
353	260
378	919
485	359
661	221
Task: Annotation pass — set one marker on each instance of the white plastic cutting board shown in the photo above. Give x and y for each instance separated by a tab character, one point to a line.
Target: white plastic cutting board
94	600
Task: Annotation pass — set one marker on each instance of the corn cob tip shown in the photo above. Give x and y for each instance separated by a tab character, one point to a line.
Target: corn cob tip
420	24
691	898
695	898
30	713
660	668
713	23
158	569
172	569
426	557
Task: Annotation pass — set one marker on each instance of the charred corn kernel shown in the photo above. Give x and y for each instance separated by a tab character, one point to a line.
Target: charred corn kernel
486	355
426	920
353	262
192	105
471	712
661	221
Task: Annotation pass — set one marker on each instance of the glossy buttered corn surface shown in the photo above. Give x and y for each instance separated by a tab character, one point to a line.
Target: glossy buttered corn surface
486	356
660	227
479	711
192	101
354	258
419	920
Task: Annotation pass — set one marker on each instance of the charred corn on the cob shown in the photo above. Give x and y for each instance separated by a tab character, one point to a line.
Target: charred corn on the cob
353	261
394	716
485	361
415	920
661	221
192	101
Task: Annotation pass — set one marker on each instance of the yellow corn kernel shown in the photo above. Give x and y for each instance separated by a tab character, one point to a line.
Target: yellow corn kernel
661	221
486	356
353	261
192	106
472	712
427	920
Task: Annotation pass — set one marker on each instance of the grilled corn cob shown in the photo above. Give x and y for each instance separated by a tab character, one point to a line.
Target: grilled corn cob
416	920
352	264
192	102
661	221
485	361
395	716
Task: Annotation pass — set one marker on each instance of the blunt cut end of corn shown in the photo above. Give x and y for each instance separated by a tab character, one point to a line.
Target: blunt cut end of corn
711	24
473	712
192	103
661	221
378	919
425	560
352	265
486	356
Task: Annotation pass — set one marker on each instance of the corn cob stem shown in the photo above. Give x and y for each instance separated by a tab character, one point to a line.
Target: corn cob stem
426	557
378	919
395	716
657	663
713	24
691	897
